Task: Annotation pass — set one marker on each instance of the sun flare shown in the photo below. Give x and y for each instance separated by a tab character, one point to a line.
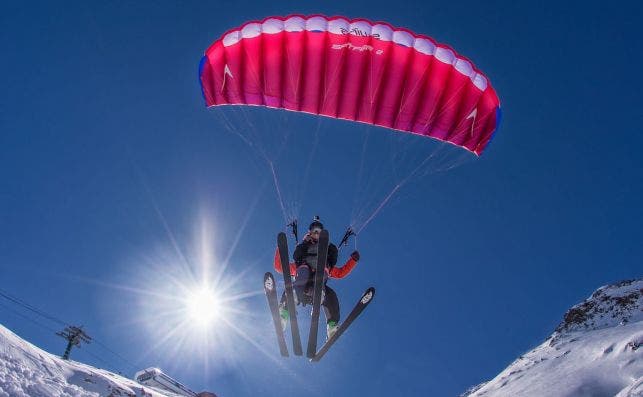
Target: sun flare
203	307
191	304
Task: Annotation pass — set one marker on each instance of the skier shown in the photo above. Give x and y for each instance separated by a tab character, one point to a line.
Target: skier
303	269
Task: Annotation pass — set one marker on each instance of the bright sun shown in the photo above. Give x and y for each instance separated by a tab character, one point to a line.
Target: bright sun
203	306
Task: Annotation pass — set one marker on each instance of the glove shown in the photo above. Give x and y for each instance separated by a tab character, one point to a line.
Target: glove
355	255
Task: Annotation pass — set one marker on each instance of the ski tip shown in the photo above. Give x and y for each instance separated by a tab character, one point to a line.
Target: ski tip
268	281
368	295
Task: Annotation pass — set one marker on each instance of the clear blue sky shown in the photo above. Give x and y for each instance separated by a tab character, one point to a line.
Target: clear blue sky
110	164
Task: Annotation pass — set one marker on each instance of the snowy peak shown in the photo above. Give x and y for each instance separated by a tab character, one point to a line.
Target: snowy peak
595	351
609	306
27	371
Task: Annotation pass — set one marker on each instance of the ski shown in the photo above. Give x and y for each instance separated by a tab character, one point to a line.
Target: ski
366	298
282	244
270	287
322	254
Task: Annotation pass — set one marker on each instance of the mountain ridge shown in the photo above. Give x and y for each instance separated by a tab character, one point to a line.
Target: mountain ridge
595	351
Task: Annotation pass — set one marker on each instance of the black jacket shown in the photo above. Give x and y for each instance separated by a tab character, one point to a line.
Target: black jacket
301	254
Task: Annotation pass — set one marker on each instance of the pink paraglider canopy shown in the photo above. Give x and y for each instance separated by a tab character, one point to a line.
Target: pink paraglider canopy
355	70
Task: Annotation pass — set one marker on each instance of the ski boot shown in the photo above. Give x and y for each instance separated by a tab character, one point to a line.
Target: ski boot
331	328
284	316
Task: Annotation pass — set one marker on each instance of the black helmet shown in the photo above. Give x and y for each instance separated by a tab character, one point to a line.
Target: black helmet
316	224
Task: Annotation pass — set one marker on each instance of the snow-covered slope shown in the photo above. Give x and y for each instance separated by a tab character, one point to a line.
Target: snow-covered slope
27	371
596	351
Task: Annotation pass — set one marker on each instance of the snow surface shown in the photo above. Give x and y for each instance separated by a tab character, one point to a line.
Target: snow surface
596	351
27	371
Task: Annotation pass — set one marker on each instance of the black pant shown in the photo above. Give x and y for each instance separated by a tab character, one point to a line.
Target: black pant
304	286
331	305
